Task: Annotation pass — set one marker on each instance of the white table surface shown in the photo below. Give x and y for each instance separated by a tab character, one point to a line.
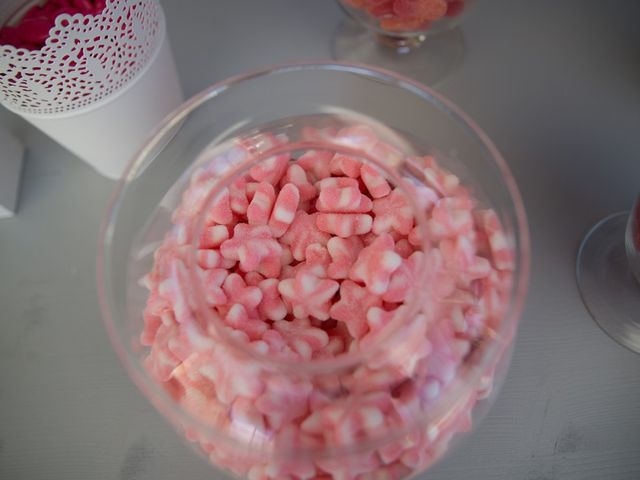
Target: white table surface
555	84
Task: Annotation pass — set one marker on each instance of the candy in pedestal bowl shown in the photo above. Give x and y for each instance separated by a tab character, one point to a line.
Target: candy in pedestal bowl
418	38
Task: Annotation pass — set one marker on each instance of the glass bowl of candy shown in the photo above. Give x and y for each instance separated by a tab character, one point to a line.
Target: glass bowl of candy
411	20
417	38
316	271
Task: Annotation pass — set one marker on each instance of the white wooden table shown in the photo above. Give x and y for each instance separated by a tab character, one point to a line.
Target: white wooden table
557	87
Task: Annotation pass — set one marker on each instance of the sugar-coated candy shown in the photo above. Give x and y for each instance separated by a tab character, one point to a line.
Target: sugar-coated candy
220	210
501	252
316	163
355	301
375	182
284	400
302	233
212	281
255	249
375	264
344	224
238	292
238	318
271	306
213	236
337	182
297	176
404	248
404	278
317	260
443	182
284	209
343	200
238	201
271	169
459	256
342	164
360	137
308	294
301	336
343	252
451	217
393	212
208	258
259	208
253	278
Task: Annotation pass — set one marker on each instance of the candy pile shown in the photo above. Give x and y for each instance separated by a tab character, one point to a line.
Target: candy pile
408	15
32	30
310	258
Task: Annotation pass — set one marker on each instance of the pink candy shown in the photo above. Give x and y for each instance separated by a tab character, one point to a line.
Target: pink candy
346	200
271	169
355	301
284	210
404	278
259	208
316	163
298	177
238	292
345	165
220	211
308	294
393	212
302	233
501	251
213	237
450	217
343	252
238	318
309	259
375	182
303	338
344	225
271	306
375	264
255	248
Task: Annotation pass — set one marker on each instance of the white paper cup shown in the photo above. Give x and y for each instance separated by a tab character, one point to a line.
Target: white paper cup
106	133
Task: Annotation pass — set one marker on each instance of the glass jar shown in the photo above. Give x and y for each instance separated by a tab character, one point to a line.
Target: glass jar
305	368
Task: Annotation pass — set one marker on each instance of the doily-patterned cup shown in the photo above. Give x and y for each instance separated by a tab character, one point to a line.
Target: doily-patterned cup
99	85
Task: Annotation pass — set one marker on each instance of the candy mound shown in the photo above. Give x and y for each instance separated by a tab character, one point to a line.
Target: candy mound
407	15
311	258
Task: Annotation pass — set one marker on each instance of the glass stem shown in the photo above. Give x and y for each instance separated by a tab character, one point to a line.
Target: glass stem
400	44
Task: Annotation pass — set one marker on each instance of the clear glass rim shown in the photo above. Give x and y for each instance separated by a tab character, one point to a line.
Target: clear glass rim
173	411
390	333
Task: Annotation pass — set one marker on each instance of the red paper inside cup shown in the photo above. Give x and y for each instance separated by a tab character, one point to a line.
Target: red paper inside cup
30	30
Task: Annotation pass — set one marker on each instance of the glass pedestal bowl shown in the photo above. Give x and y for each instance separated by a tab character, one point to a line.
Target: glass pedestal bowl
280	350
608	274
418	38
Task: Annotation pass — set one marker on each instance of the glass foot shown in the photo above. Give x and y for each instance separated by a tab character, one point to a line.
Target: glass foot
427	59
606	282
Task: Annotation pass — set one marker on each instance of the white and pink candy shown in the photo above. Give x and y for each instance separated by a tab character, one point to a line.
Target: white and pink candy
308	259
